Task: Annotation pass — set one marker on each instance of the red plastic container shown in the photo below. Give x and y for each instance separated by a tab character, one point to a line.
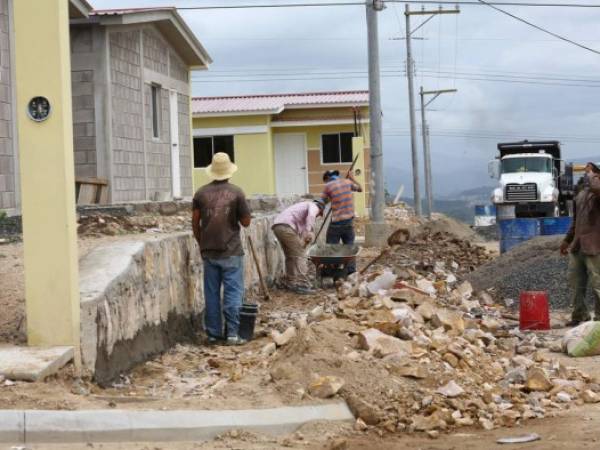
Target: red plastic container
533	310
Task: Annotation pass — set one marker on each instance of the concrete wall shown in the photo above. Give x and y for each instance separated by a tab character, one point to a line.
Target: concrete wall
8	157
127	116
84	114
141	297
141	58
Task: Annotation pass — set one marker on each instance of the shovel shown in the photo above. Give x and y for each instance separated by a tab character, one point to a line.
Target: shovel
263	285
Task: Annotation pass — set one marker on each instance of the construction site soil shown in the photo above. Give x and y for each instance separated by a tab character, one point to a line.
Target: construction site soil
409	346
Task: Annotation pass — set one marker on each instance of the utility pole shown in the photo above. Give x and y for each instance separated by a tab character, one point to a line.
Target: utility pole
426	149
377	180
411	94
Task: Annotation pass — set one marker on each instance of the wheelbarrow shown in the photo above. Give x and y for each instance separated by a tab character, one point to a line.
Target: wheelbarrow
332	260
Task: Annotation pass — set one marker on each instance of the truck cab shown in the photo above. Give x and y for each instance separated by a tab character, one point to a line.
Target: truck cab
529	178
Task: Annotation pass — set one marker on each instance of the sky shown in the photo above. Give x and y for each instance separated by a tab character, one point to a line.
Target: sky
514	82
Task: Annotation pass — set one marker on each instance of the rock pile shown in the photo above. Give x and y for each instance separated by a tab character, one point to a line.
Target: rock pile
532	266
419	350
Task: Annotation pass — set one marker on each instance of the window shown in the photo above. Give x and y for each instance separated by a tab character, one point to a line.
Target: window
535	164
155	111
336	148
206	147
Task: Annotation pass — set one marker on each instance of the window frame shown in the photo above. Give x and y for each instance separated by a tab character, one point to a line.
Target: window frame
340	162
155	109
212	144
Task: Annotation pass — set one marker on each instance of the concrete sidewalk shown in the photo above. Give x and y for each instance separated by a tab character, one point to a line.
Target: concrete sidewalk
30	427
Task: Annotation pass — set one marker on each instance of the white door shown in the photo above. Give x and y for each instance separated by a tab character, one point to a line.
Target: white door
175	166
291	171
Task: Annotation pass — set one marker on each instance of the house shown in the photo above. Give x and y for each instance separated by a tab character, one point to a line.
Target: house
282	144
131	90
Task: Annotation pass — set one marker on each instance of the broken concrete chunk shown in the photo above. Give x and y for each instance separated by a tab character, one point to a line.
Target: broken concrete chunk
325	387
537	380
450	320
268	349
465	290
282	339
563	397
426	285
589	396
450	390
383	282
381	344
316	313
486	299
486	424
489	324
426	310
410	371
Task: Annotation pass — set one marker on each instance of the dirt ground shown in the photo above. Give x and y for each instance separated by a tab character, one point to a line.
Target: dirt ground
198	377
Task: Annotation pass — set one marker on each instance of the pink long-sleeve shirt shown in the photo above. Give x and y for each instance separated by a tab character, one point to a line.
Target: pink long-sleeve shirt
301	217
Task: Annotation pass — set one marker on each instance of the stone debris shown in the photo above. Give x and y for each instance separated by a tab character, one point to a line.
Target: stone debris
325	387
451	390
381	344
282	339
537	380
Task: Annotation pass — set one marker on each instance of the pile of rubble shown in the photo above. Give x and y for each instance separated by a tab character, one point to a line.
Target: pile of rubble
431	253
422	351
112	225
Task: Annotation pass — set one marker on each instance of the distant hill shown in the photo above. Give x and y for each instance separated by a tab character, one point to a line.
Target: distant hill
460	205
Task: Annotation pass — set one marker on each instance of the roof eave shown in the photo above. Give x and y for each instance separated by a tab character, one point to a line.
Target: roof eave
172	26
258	112
79	9
328	105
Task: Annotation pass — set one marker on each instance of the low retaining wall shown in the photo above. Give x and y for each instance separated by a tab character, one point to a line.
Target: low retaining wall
140	297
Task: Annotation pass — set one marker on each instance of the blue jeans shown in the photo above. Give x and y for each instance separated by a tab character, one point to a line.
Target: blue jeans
342	231
228	272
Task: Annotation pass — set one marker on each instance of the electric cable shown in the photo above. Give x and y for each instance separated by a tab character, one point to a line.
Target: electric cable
537	27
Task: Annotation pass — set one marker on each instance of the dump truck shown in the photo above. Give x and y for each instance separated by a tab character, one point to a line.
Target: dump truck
534	180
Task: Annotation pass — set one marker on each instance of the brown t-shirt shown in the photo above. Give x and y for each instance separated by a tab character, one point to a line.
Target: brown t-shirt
222	205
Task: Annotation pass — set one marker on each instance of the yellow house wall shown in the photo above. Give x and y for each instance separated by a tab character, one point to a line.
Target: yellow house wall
316	167
47	172
253	154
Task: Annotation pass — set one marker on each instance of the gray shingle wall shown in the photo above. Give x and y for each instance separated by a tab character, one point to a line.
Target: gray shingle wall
8	177
178	69
158	150
84	117
185	151
127	126
156	52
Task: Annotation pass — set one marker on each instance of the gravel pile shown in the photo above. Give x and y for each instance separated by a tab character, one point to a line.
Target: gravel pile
534	265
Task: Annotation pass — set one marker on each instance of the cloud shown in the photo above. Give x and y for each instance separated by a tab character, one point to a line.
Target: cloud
293	43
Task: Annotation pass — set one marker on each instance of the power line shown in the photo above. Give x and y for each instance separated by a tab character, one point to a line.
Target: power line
537	27
417	2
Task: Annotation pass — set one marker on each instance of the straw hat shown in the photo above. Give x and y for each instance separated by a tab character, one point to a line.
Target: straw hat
221	168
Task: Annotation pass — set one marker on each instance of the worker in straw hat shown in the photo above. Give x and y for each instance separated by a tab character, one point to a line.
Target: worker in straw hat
219	208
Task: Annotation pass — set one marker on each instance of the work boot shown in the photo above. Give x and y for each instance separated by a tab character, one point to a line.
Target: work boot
574	322
303	290
236	340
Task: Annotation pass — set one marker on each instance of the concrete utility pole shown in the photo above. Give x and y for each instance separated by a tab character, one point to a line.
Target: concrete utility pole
426	149
377	180
411	95
411	109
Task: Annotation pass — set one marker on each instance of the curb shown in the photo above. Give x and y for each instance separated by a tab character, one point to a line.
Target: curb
28	427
